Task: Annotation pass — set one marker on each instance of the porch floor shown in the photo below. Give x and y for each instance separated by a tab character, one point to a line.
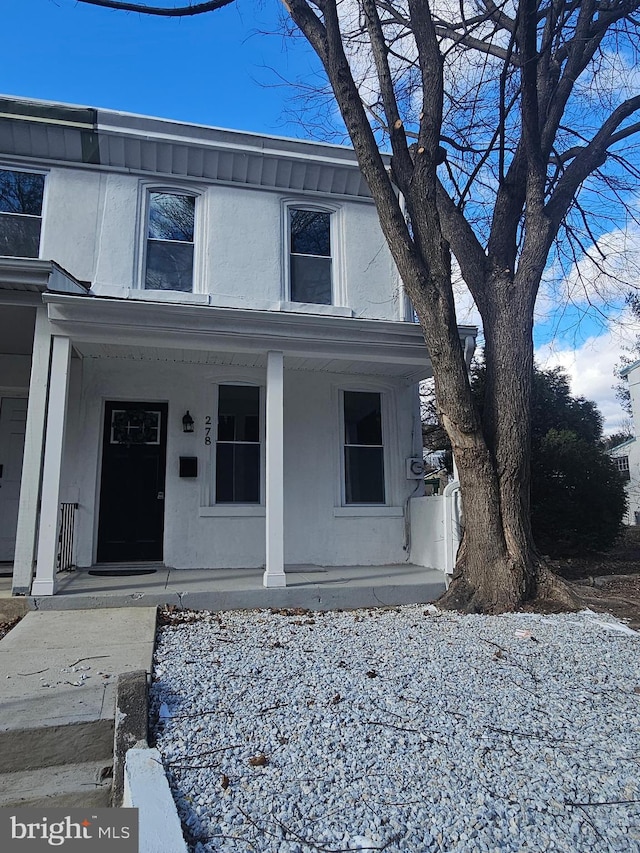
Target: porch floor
312	587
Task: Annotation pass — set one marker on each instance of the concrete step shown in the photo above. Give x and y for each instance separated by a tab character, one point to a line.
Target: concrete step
49	746
68	785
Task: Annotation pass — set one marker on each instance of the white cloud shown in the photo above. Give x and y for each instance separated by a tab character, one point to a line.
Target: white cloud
615	74
601	278
591	366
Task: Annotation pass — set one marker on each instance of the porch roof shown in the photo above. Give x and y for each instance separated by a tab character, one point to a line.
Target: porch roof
23	280
125	328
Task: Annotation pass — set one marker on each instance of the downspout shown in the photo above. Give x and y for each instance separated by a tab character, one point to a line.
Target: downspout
452	526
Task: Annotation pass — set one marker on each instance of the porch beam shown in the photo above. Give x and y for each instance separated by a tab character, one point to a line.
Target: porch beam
274	575
45	580
32	460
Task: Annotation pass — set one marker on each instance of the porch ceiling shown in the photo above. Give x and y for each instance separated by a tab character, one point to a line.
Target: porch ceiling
113	328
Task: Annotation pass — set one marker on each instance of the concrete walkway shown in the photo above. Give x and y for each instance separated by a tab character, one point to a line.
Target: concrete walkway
58	671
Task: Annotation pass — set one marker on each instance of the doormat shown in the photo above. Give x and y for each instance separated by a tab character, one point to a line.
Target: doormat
121	573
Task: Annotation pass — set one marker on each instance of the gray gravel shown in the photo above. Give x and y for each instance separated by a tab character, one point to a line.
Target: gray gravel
402	729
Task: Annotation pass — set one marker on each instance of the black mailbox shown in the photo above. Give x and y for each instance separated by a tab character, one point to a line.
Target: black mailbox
188	466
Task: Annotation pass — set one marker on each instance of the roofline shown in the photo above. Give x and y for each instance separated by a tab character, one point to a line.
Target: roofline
622	444
103	118
626	370
107	140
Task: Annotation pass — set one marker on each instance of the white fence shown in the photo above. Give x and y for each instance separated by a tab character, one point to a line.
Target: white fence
436	529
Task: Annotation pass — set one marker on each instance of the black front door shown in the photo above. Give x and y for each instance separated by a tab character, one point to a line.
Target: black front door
131	522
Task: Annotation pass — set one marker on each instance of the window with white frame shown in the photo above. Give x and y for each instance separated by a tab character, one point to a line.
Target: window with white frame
21	195
310	262
238	445
622	464
170	241
363	448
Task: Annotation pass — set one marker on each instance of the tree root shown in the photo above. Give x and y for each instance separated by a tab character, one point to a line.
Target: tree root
459	597
550	594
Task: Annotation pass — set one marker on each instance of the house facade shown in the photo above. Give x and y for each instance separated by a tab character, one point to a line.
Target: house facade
208	360
627	455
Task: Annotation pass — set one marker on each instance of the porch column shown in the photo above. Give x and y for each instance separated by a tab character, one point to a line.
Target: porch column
45	579
274	571
32	459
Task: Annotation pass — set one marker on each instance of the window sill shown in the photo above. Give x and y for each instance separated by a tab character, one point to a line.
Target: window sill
170	296
222	301
311	308
368	511
232	511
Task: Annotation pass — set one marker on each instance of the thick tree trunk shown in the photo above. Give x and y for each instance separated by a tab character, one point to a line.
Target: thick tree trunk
498	567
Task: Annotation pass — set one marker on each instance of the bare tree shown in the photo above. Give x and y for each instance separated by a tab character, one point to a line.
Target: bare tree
509	125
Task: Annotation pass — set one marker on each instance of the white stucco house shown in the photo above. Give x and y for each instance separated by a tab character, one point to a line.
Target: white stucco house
627	455
207	358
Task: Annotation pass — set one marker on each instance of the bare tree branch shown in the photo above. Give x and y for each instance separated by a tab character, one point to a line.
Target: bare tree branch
402	163
589	159
173	12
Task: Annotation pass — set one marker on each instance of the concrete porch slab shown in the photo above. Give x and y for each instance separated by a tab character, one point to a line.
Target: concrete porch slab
312	587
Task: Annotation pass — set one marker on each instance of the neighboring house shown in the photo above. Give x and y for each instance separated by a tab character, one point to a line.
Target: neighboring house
627	455
206	351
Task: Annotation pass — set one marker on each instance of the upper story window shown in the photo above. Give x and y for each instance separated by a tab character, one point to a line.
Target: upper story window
21	195
622	464
238	444
169	258
363	448
310	272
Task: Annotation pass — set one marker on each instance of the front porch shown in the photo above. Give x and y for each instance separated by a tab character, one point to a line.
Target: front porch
312	587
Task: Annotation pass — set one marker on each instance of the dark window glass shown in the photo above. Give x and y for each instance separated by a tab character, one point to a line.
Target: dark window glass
21	196
364	475
362	418
238	473
21	192
171	217
20	236
310	233
238	444
310	246
363	451
311	280
169	263
169	266
238	413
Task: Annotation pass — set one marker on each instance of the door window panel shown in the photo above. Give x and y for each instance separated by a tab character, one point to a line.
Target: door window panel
135	426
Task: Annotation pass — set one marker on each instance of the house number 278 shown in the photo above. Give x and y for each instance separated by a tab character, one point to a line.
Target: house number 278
207	429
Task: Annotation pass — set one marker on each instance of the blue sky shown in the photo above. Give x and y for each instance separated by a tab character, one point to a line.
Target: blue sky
230	69
222	69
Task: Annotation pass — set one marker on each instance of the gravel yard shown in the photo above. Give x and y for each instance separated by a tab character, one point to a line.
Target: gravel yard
402	729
